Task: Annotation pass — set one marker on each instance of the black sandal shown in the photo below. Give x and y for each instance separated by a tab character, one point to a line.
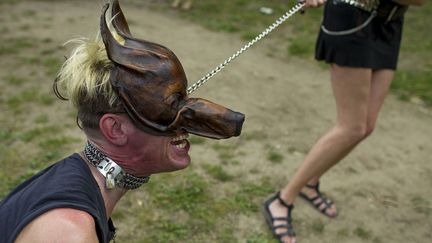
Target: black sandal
318	203
270	219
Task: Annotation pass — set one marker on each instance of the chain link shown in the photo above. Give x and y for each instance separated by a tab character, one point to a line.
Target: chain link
263	34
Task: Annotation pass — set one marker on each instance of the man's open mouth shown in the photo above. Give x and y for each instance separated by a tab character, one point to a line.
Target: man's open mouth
180	141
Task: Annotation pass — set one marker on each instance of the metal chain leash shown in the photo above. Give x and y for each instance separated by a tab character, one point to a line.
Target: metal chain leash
263	34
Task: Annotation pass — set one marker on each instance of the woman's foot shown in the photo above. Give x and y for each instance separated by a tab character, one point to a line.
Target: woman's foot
313	195
278	217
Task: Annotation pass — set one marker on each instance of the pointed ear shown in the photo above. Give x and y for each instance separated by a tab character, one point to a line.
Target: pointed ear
137	55
119	20
113	128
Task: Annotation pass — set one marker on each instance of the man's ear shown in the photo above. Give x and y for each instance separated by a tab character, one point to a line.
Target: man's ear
112	127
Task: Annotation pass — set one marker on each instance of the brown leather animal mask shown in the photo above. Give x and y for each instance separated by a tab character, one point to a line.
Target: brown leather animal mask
151	84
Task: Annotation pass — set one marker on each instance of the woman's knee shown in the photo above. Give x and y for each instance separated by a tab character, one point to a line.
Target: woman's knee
354	133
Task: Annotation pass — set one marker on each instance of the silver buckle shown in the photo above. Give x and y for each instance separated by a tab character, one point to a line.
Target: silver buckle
112	172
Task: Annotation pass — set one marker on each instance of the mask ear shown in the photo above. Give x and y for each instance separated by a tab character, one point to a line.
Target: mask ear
134	54
119	21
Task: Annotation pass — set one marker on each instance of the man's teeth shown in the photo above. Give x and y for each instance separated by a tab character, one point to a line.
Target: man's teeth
182	140
182	145
181	137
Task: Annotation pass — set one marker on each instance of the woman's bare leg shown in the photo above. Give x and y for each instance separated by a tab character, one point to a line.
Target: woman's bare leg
381	80
351	88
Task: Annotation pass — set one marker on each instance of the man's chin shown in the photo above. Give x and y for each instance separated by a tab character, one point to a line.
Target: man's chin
179	165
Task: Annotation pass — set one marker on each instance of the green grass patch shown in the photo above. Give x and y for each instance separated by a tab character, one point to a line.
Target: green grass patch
34	133
14	80
195	140
413	83
35	60
29	13
24	27
9	1
15	102
248	198
226	152
47	99
363	233
167	231
52	65
274	156
217	172
254	135
55	143
259	238
41	119
182	193
421	205
302	48
14	45
343	233
5	134
318	227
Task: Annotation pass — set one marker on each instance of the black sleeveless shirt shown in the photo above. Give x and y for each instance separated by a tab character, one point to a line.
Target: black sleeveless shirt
68	183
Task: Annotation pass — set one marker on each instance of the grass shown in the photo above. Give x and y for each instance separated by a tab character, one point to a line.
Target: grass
32	134
14	45
15	102
218	173
408	84
18	101
274	156
192	212
55	143
318	227
14	80
225	151
421	205
362	233
195	140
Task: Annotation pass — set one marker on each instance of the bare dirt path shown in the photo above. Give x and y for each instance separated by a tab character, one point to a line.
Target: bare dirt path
382	187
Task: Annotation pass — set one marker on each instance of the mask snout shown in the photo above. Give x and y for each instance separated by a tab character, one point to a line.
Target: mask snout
205	118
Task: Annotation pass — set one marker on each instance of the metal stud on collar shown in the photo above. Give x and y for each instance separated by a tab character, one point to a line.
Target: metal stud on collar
263	34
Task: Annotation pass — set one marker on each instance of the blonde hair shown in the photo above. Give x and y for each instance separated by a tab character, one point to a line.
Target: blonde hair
84	80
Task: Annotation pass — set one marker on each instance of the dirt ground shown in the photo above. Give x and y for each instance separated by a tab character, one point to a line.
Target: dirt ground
383	186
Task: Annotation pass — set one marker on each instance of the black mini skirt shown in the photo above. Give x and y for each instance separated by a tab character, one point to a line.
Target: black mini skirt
375	46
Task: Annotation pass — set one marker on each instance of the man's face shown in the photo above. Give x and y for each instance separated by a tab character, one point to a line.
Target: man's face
155	154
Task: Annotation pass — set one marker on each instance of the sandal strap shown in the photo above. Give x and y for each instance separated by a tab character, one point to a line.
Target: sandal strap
315	186
322	198
289	206
285	226
281	218
289	233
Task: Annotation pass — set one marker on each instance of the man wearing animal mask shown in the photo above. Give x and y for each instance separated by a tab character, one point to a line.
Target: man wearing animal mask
133	107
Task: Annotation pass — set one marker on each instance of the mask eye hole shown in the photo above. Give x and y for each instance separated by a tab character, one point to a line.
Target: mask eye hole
175	100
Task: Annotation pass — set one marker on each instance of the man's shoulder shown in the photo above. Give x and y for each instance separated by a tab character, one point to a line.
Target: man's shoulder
60	225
